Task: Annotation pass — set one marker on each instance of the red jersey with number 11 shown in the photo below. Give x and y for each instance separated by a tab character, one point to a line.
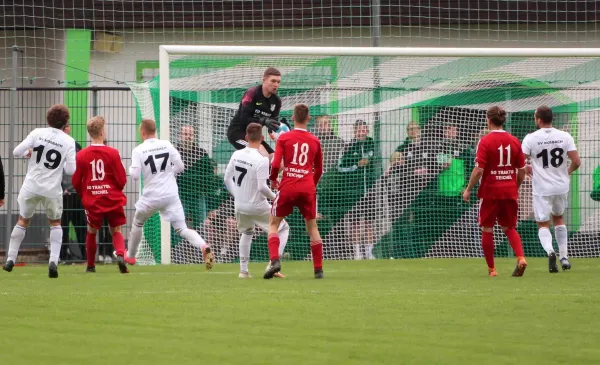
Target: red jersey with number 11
499	154
302	161
99	179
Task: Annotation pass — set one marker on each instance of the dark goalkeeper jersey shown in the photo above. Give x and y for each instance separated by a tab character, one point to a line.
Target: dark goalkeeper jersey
253	106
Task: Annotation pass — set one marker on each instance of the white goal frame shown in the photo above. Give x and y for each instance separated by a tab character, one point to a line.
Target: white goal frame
167	50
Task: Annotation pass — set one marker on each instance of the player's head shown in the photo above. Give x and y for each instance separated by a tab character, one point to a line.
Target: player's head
413	129
301	115
323	125
361	129
147	129
271	80
543	116
57	116
96	128
496	116
254	134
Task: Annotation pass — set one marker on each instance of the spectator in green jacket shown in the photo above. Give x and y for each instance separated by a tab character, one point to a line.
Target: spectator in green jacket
358	169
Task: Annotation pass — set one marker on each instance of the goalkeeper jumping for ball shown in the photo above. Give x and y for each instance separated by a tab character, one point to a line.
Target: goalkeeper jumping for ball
260	104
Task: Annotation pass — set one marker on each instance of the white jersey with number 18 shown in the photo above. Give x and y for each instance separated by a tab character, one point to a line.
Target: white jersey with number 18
156	159
548	149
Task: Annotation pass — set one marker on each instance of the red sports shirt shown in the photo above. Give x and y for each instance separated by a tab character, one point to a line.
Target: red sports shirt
499	154
99	179
302	160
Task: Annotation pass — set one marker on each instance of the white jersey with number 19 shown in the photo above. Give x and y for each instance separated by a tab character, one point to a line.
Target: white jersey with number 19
156	160
51	150
548	149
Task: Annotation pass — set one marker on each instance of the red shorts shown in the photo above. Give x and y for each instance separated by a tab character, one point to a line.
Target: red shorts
115	218
284	204
502	210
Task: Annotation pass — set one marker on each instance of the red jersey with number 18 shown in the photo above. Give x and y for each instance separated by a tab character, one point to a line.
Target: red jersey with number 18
302	161
499	154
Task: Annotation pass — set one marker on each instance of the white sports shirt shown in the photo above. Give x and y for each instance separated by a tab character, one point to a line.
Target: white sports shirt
158	162
52	151
246	179
548	149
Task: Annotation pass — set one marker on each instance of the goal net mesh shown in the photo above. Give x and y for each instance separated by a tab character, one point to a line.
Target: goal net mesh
397	193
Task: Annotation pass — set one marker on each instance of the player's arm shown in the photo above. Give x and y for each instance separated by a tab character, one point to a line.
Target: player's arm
78	175
135	170
527	154
262	173
480	161
276	164
521	165
573	156
177	162
70	164
228	178
2	184
318	164
23	149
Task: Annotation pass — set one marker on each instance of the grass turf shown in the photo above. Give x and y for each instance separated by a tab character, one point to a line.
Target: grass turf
368	312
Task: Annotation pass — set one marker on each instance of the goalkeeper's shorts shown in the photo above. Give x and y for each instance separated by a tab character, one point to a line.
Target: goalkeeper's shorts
238	140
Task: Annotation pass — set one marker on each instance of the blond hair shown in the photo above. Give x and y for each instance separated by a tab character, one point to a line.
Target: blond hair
148	125
95	126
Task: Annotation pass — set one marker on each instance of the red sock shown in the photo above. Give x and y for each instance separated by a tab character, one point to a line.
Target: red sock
316	247
487	244
90	249
119	243
274	246
515	241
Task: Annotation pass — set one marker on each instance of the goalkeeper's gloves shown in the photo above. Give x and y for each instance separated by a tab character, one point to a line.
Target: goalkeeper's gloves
270	123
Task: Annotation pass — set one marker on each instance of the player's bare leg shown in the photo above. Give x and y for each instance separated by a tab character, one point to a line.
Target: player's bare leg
487	245
55	245
546	241
560	232
316	247
16	237
515	242
195	240
274	242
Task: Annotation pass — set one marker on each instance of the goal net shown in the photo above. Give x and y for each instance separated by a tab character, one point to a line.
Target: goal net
399	130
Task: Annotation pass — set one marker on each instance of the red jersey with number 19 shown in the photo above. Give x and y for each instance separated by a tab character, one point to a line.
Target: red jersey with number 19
499	154
302	161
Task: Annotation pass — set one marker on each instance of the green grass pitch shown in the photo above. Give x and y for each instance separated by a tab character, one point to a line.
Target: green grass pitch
368	312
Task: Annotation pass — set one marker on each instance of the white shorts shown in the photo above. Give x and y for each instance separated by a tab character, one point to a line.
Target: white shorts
246	222
544	206
28	203
170	209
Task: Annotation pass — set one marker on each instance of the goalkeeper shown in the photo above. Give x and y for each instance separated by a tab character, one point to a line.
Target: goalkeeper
260	104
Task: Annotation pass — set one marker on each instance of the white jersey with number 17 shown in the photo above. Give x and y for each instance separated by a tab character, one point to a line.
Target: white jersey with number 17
246	168
156	159
548	149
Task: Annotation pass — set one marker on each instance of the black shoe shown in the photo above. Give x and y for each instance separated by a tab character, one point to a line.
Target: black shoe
8	266
318	274
566	265
52	271
552	267
90	269
272	269
122	267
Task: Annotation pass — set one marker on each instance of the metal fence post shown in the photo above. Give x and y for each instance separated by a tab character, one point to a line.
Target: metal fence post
11	146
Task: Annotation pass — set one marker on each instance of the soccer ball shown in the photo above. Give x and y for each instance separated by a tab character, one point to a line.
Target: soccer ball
283	128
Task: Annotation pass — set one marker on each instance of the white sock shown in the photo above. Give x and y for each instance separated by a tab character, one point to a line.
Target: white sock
193	237
546	240
284	234
560	232
370	252
56	234
357	252
135	237
16	237
245	243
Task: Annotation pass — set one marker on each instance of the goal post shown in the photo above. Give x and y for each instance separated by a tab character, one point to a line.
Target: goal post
429	104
